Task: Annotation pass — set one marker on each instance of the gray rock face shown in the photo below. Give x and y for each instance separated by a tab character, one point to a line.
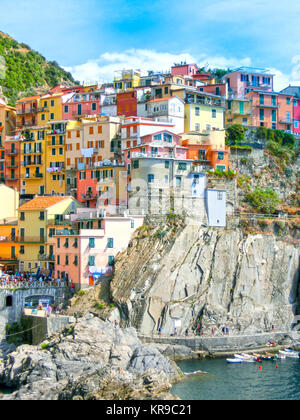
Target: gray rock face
213	277
81	361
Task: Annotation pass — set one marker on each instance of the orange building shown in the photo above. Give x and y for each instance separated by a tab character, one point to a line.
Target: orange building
12	153
272	110
27	109
9	246
207	149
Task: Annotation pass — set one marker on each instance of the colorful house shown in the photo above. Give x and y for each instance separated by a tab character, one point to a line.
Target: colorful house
295	91
184	69
27	109
33	155
9	246
104	186
127	103
35	217
12	150
271	110
50	108
203	111
78	105
134	128
86	252
9	199
207	150
242	80
167	109
238	111
126	80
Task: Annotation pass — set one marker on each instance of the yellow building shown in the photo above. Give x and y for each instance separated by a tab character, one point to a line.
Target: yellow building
9	246
238	111
56	182
36	218
9	199
127	80
49	108
7	120
33	160
203	112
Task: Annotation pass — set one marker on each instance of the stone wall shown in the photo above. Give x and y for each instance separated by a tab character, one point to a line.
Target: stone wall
13	313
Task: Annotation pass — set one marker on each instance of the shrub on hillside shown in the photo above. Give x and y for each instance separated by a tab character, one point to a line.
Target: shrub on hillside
263	201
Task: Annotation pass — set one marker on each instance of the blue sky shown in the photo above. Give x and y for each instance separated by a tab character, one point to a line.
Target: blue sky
92	38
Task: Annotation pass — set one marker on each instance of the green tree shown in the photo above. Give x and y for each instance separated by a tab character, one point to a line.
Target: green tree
263	201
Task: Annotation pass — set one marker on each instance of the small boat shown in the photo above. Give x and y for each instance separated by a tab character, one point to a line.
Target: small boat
290	354
243	356
280	356
234	361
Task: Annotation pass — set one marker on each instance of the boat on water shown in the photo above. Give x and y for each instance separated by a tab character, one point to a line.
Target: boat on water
243	356
280	356
234	361
289	354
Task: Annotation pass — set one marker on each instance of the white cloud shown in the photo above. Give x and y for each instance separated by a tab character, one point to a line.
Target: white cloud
103	68
282	80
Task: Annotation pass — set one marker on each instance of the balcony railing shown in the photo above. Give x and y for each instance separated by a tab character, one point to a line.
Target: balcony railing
9	238
32	239
89	196
12	153
45	257
31	176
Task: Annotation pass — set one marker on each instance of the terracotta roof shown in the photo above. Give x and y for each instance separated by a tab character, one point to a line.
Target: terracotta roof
30	98
40	203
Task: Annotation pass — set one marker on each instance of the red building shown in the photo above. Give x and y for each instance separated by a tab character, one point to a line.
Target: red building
184	69
127	104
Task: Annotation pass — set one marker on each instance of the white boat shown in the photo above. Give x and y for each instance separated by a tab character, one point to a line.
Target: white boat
280	356
233	361
243	356
290	354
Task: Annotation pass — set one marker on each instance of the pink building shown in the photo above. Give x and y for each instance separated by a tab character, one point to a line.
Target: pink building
184	69
244	79
295	92
77	105
134	128
162	144
87	252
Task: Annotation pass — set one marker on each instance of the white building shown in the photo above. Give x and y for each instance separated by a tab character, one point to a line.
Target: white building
216	207
167	110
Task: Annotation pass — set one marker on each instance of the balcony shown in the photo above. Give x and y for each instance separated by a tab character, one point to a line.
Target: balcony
55	144
45	257
56	132
32	163
70	232
33	176
32	239
89	196
10	238
286	121
274	106
27	111
12	165
12	153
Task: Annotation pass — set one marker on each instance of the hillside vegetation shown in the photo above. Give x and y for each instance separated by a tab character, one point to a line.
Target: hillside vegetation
24	72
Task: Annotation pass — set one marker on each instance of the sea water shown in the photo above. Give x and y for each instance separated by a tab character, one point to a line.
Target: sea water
222	381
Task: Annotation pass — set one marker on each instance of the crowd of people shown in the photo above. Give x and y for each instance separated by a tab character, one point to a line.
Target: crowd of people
31	279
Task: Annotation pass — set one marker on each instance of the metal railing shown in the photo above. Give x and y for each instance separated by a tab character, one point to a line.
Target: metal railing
35	284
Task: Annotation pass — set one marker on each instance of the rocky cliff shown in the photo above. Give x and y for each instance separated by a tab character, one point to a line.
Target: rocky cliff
214	277
91	360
